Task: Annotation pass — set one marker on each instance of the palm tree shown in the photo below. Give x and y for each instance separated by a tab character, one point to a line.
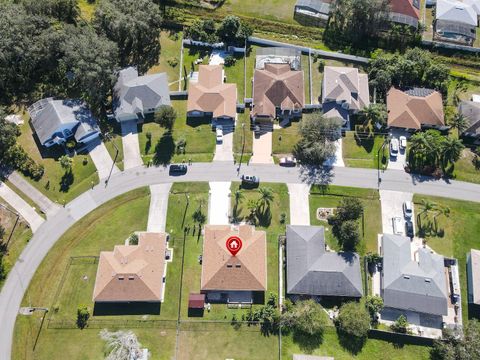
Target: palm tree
252	206
427	207
418	149
266	196
450	151
459	122
460	87
66	162
445	211
238	199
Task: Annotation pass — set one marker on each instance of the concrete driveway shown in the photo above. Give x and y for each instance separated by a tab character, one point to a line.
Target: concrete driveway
262	148
299	204
101	158
157	214
400	161
224	150
392	206
21	206
337	160
219	203
131	147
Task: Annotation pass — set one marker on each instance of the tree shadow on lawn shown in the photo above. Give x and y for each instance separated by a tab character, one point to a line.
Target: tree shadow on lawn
351	343
264	217
66	181
306	342
366	142
164	150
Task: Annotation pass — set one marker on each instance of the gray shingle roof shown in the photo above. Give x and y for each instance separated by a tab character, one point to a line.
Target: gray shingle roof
417	285
315	5
471	110
134	94
311	270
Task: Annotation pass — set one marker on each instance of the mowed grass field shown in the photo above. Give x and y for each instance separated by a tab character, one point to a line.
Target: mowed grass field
268	9
102	229
331	197
363	152
456	234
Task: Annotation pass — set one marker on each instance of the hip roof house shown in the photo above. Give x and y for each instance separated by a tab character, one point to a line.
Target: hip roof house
414	108
344	92
55	121
133	273
210	96
455	21
311	270
137	96
416	284
228	278
278	92
405	12
471	110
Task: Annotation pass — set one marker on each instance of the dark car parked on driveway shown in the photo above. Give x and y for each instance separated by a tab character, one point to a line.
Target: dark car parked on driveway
178	169
409	229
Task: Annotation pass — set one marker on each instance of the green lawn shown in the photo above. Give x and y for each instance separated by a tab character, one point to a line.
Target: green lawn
19	235
102	229
331	198
363	152
467	168
271	10
223	341
114	142
200	140
171	43
54	183
457	233
284	139
373	349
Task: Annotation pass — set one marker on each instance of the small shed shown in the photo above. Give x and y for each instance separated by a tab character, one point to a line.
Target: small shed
196	301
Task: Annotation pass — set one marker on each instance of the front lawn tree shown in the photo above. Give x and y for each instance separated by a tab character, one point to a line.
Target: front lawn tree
66	162
134	25
317	137
350	208
165	116
83	314
459	122
306	317
348	235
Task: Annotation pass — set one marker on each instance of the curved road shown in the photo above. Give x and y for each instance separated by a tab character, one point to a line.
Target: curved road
51	230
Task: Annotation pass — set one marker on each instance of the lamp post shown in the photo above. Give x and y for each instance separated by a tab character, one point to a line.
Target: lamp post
108	136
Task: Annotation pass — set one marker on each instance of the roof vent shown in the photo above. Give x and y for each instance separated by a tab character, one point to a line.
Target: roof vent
121	278
406	277
428	280
229	265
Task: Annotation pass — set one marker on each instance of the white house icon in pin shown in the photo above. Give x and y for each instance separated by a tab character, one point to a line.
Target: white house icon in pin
234	244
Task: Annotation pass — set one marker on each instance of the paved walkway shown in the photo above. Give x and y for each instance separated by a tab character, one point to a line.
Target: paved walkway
21	206
219	203
47	206
262	149
102	160
47	235
131	147
224	151
157	215
299	204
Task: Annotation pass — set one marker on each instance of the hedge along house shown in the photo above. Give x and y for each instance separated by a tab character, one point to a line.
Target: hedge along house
136	97
314	271
278	85
134	273
239	278
57	121
344	92
211	98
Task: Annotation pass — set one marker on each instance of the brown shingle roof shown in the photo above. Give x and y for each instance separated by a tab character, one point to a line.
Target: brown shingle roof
132	272
411	112
405	7
246	271
277	85
344	84
211	94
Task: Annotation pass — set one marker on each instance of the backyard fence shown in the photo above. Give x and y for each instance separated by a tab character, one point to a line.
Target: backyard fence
113	323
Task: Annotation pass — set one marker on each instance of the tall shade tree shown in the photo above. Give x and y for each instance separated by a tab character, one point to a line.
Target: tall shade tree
354	320
62	10
135	26
89	61
305	317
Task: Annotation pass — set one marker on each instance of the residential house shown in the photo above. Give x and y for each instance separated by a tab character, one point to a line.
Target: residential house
314	271
312	12
455	22
405	12
416	108
471	111
57	121
138	96
278	86
344	92
473	277
211	97
134	273
240	278
413	282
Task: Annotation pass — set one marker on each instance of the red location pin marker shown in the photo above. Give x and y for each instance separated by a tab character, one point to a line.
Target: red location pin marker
234	244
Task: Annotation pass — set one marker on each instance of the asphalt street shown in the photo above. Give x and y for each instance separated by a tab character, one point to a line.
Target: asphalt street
53	228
